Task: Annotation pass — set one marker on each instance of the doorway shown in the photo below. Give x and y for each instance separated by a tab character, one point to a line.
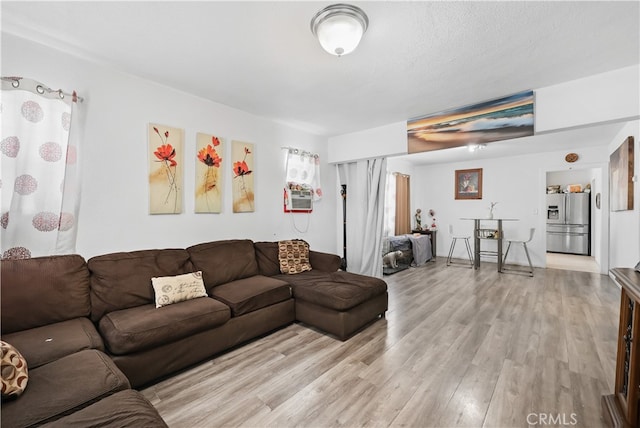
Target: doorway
578	246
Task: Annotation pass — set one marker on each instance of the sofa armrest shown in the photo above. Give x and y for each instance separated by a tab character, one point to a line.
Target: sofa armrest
324	261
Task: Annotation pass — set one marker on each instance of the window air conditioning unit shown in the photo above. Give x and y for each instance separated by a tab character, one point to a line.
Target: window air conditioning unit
298	201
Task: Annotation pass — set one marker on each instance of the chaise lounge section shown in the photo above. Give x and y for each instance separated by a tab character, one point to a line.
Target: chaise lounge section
337	302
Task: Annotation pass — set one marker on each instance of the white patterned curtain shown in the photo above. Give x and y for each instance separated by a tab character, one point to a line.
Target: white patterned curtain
303	169
40	174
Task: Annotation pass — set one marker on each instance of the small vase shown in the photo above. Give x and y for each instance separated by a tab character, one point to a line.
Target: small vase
490	215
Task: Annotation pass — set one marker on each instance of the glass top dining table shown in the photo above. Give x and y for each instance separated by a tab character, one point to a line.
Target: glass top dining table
484	232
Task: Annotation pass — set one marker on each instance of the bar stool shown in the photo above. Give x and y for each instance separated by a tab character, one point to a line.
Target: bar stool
454	238
526	251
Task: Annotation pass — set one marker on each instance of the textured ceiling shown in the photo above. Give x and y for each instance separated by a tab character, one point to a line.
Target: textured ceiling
416	57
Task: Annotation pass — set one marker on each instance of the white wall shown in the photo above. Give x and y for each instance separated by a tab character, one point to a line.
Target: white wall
517	183
571	176
399	165
625	225
599	247
606	97
114	206
388	140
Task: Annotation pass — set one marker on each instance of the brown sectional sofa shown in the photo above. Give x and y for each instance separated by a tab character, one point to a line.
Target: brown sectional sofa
102	312
45	307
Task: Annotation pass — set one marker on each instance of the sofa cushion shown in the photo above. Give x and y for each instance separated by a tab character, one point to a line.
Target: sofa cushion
293	256
143	327
267	258
15	374
250	294
123	280
174	289
127	408
43	290
325	262
64	386
269	264
337	290
224	261
41	345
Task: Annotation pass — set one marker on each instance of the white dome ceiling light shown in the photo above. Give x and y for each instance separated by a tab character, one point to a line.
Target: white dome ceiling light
339	28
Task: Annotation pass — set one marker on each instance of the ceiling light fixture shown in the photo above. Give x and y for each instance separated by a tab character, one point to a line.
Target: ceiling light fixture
339	28
475	147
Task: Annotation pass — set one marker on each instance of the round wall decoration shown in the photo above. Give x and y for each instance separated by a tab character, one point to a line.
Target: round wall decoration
571	157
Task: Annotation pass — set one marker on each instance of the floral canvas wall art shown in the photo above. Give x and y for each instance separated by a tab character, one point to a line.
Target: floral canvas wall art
242	177
209	150
165	169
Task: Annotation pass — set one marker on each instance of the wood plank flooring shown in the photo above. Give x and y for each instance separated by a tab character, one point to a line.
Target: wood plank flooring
572	262
458	348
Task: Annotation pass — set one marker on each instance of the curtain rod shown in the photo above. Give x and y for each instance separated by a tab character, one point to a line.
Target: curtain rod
300	151
41	89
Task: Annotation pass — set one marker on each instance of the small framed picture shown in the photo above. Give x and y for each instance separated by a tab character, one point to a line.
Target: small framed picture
468	183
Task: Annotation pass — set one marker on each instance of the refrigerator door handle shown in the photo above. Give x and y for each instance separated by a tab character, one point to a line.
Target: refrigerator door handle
567	205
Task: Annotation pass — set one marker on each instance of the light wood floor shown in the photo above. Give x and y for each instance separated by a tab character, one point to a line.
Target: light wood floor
572	262
458	347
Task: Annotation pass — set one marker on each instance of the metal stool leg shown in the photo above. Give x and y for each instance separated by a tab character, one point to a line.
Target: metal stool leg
528	258
466	241
526	251
506	252
451	248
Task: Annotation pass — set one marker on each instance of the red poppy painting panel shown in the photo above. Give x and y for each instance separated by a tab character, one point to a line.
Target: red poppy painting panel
242	177
209	158
165	169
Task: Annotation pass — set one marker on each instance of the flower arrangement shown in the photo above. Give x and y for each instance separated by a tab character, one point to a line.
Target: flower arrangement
418	217
491	207
432	213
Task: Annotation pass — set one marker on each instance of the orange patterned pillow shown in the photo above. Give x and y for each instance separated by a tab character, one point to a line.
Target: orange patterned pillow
293	256
14	371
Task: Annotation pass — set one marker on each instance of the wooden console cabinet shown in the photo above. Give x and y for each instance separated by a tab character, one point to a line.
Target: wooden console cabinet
620	409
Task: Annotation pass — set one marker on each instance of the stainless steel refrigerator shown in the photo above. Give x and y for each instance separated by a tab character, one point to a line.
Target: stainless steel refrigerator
568	223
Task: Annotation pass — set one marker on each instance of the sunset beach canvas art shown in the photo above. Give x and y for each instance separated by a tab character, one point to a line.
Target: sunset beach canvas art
501	119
